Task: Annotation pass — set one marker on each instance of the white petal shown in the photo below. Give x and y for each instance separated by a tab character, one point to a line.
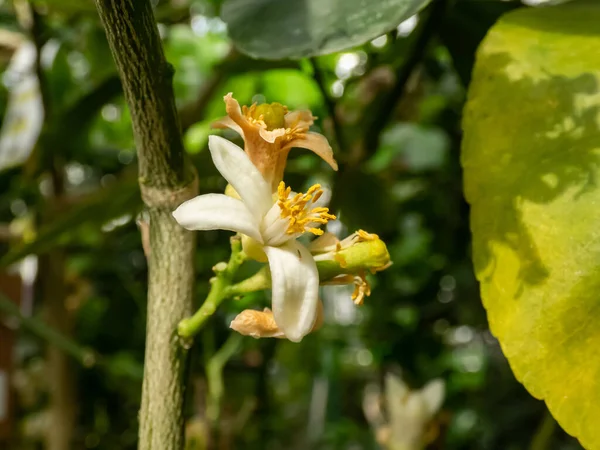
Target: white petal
295	282
238	170
273	228
433	395
217	212
324	199
396	397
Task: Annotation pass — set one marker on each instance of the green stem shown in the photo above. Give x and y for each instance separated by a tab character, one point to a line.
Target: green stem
257	282
219	291
358	258
214	375
543	435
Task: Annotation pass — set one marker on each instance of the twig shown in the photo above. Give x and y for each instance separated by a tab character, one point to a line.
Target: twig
360	257
543	435
165	182
214	375
329	104
219	291
418	51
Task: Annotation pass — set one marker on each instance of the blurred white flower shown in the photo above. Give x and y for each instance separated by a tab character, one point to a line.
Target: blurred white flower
24	116
408	413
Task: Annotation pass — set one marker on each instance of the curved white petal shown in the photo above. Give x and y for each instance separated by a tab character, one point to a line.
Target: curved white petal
324	199
433	396
295	282
217	212
273	228
238	170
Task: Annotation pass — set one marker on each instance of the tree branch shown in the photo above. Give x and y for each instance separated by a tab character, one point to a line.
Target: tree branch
381	116
165	182
329	105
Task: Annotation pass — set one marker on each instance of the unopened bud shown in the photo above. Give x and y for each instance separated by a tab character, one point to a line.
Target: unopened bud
363	255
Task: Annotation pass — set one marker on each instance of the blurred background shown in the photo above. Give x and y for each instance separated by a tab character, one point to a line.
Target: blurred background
72	268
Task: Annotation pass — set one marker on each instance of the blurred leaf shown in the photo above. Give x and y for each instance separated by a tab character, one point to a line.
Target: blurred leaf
531	157
117	200
410	146
291	88
275	29
363	202
68	6
196	138
194	57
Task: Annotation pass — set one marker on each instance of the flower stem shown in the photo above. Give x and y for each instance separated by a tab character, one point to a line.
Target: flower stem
359	257
214	376
219	291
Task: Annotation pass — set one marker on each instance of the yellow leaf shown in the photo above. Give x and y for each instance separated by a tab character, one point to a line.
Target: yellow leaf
531	157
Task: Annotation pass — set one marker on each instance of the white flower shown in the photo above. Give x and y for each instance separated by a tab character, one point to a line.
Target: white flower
24	115
275	221
409	413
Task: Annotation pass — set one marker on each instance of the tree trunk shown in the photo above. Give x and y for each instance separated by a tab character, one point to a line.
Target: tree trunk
61	380
165	183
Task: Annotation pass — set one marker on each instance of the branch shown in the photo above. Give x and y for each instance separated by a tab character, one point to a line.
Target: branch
329	104
418	51
165	182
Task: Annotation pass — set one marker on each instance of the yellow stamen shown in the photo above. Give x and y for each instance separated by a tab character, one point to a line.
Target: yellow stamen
364	236
298	211
361	288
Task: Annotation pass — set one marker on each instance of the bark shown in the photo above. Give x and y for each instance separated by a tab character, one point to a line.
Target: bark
165	182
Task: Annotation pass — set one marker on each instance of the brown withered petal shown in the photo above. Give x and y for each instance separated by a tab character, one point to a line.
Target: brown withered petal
268	146
234	111
256	324
318	144
271	136
227	122
261	324
301	119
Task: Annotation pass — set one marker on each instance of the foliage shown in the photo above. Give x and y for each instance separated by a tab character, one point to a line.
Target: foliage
399	176
275	29
530	163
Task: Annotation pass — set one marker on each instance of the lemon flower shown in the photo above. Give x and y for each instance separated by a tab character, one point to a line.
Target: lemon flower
274	222
410	413
340	263
270	131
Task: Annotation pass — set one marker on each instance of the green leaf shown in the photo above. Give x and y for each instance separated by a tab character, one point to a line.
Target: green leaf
531	157
274	29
